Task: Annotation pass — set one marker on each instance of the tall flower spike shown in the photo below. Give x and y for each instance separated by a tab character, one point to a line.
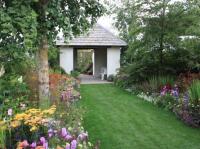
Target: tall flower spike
73	144
64	132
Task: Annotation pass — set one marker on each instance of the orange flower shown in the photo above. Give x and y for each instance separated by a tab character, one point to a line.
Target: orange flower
39	147
58	147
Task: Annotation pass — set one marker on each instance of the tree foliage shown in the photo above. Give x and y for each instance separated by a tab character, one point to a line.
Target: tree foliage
32	25
163	36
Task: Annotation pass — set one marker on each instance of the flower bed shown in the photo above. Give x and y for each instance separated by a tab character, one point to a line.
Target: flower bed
182	97
25	126
64	88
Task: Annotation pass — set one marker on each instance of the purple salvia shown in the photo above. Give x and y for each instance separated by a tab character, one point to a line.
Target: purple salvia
64	132
73	144
33	145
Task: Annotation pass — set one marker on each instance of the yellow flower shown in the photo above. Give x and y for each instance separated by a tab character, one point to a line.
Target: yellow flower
34	128
32	117
15	124
20	116
2	123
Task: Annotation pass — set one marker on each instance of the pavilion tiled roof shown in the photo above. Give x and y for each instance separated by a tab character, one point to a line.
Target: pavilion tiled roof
97	36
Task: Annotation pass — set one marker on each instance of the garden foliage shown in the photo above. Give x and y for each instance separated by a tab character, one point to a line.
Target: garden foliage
162	36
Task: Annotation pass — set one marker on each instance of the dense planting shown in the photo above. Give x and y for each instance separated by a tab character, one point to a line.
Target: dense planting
56	124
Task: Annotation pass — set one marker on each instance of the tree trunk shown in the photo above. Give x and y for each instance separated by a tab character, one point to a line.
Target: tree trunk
43	70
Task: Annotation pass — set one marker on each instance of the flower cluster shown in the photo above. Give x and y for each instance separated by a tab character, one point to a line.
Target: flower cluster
167	89
70	141
32	117
63	88
42	144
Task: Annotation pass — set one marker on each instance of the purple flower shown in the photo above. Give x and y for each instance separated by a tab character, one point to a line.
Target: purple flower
50	133
186	99
163	92
33	145
67	146
68	94
175	93
83	136
55	131
64	132
10	111
73	144
62	96
45	145
42	140
68	137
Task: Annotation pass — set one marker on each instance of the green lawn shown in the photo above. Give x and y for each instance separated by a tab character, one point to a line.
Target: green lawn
123	121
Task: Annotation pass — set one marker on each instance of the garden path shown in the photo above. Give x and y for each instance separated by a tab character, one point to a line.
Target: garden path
89	79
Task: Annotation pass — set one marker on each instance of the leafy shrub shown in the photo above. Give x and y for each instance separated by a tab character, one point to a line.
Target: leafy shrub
12	87
111	78
157	82
122	79
58	70
194	91
75	74
184	80
167	101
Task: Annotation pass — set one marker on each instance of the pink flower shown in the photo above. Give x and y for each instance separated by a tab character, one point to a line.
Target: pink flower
10	112
83	136
50	133
42	140
25	143
33	145
67	146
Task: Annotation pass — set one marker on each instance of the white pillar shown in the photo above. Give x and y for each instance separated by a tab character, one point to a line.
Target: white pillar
113	60
93	62
67	59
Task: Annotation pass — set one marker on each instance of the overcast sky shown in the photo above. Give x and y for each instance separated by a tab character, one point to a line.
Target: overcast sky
107	22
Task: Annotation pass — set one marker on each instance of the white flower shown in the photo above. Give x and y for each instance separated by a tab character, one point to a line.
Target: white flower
10	112
20	79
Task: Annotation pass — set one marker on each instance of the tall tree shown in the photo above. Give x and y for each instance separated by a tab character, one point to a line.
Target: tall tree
157	32
33	24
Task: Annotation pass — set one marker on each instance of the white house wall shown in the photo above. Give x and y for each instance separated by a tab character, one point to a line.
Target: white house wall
67	59
113	60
